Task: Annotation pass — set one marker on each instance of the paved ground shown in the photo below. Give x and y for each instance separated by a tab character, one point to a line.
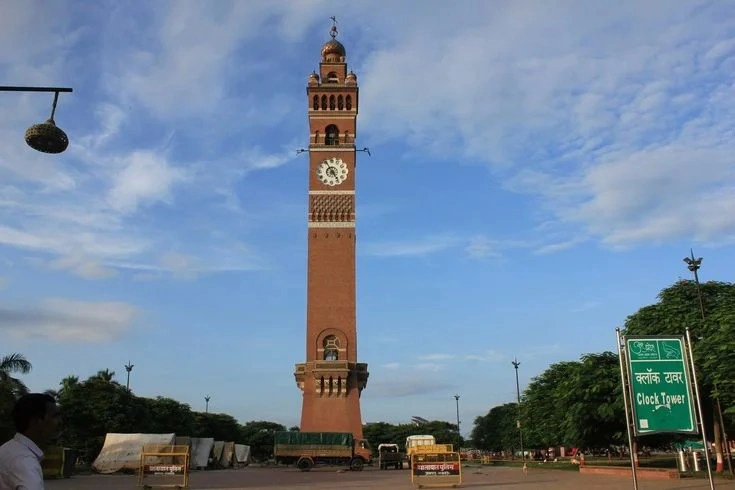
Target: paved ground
494	478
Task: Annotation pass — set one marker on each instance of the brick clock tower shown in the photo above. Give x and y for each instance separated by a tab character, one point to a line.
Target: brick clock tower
331	379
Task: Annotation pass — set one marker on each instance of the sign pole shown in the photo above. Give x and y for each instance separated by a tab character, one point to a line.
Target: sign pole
699	409
624	378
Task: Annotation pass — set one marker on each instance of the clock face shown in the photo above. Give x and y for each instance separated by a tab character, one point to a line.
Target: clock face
332	171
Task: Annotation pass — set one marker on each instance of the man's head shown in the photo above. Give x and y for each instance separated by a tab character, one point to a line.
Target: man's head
36	416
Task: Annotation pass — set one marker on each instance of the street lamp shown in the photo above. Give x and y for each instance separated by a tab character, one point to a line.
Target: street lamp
206	402
693	265
128	367
45	137
456	398
517	363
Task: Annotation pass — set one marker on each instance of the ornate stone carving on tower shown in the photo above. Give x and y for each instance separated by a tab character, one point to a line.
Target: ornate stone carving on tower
331	379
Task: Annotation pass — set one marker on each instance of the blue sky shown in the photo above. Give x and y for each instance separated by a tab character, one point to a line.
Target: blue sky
538	171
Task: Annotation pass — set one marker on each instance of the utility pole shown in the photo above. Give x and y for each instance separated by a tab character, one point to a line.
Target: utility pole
206	401
517	363
128	367
456	398
693	265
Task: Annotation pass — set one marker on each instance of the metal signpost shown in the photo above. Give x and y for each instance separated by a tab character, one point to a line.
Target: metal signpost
659	384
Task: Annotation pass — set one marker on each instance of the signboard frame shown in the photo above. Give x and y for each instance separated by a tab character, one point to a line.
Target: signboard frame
436	469
164	466
645	381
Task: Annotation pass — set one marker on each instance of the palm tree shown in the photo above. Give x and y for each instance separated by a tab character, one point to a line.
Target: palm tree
11	364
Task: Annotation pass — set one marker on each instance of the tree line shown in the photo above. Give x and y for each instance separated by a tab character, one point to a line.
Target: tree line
580	403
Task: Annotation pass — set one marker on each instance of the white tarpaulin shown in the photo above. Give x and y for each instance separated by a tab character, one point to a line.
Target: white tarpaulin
242	454
217	449
201	448
122	451
228	452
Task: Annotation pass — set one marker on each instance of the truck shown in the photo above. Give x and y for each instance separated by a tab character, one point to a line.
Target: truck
414	442
390	457
309	449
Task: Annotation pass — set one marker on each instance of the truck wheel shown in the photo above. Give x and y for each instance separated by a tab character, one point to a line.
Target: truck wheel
304	464
356	464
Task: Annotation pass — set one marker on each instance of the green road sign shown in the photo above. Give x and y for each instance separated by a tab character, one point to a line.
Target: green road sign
661	392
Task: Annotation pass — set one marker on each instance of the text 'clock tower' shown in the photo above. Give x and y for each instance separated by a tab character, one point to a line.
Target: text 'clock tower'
331	378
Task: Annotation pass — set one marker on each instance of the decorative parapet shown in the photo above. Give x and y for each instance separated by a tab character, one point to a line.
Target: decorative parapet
332	378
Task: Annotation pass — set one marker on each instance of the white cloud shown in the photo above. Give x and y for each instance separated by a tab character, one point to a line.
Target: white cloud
69	321
428	367
427	246
436	357
626	134
488	356
406	385
83	267
586	306
482	246
145	177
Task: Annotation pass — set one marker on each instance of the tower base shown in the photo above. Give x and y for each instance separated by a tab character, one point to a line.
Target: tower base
331	396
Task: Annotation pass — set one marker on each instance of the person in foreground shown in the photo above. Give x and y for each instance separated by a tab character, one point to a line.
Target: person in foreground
36	419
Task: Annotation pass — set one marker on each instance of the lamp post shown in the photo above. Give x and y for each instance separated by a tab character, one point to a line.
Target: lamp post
128	367
517	363
45	137
206	403
693	265
456	399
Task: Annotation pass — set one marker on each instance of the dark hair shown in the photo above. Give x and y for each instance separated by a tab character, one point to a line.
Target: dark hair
28	407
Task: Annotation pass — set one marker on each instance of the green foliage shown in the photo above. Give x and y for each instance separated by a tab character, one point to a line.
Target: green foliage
580	403
260	438
10	389
385	433
497	431
573	404
713	340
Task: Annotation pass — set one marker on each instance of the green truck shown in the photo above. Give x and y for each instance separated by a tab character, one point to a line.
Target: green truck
308	449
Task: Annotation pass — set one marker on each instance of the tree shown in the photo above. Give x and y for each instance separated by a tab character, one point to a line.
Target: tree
259	435
596	408
545	406
713	340
12	364
497	430
10	389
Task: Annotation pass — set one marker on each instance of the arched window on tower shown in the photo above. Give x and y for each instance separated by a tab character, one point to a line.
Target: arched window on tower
332	77
332	102
340	102
331	135
348	102
331	348
324	102
315	103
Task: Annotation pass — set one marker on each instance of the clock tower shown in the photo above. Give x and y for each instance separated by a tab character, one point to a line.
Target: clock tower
331	379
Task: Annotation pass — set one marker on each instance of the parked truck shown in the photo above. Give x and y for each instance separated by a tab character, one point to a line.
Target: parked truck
390	457
414	442
308	449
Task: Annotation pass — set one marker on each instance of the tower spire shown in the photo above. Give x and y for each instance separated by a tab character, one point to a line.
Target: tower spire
333	31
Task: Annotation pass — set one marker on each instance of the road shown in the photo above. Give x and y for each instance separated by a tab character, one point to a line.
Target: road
283	478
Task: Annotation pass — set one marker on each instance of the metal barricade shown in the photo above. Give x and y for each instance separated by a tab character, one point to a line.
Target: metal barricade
436	469
164	466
